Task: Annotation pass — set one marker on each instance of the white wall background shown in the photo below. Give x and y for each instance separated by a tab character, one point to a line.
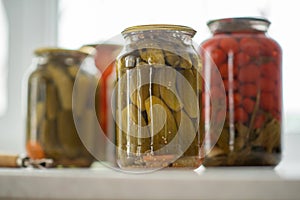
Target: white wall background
31	24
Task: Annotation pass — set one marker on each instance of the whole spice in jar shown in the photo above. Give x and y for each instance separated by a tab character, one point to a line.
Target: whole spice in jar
50	127
158	98
249	63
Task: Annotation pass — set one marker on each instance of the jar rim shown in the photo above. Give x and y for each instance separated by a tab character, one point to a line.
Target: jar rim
156	27
239	24
54	50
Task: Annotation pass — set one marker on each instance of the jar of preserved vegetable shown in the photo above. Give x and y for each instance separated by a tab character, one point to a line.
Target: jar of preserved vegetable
157	98
51	130
249	63
104	55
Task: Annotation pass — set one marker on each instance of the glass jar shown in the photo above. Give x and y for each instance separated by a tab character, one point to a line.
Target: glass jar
51	130
249	63
104	55
158	98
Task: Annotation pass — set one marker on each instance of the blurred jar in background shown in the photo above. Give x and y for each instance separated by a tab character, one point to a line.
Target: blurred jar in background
51	130
250	66
105	55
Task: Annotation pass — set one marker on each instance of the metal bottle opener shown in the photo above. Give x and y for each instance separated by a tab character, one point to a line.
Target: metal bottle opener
15	161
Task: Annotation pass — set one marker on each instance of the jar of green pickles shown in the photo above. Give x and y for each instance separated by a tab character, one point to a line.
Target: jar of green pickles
50	126
249	63
158	100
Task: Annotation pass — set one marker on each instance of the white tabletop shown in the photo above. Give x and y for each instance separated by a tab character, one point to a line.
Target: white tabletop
283	182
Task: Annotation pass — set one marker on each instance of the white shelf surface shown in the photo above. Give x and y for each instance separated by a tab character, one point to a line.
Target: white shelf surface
283	182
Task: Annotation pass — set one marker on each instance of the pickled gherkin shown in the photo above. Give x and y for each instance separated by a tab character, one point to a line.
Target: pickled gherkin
156	116
50	122
158	98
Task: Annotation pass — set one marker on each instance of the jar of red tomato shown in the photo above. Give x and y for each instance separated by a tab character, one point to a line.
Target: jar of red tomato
249	63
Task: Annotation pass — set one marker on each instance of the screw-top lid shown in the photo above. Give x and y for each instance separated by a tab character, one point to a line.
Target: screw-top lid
238	24
154	27
57	51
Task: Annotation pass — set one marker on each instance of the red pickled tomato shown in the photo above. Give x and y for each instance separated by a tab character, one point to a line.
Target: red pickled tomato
226	85
267	101
267	85
259	121
250	46
240	115
249	74
241	59
229	70
211	48
277	104
218	56
270	70
275	114
224	70
234	85
237	100
229	45
248	105
278	98
248	90
269	47
211	43
277	91
235	71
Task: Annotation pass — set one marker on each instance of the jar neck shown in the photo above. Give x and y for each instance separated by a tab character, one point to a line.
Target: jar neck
258	33
158	36
62	60
239	25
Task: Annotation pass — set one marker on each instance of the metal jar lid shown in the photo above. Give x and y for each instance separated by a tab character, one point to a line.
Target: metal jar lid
157	27
44	51
238	24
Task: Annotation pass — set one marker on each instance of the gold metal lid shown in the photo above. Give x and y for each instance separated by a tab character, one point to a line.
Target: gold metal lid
53	50
154	27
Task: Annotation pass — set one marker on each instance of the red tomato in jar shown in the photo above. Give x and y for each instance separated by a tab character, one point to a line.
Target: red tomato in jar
240	115
218	56
249	74
267	101
229	45
270	70
250	47
267	85
248	90
259	121
248	105
241	59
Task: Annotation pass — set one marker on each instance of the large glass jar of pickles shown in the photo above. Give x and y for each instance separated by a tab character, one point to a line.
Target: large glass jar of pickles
157	98
249	63
51	130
